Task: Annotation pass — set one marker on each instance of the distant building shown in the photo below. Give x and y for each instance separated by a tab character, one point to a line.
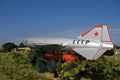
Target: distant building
22	49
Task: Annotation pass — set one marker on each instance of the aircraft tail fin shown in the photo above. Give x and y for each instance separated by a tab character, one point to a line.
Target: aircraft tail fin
98	33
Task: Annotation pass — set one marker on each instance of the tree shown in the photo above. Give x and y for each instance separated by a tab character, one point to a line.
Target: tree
9	46
21	45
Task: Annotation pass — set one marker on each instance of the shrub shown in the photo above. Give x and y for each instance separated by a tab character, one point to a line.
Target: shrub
19	68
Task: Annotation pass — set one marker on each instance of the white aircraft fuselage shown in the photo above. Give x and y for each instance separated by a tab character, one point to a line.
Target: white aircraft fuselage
68	43
91	44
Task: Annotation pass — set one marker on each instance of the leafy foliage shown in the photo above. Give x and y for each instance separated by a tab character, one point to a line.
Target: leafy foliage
112	71
17	67
102	69
9	46
70	69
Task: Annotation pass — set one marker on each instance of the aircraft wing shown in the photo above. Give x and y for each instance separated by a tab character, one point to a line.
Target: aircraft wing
90	53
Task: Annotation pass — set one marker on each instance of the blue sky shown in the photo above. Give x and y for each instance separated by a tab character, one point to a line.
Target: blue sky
20	19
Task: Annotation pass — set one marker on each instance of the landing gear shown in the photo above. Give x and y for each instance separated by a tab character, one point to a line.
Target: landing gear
51	65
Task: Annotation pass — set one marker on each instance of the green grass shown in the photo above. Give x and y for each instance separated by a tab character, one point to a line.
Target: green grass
3	62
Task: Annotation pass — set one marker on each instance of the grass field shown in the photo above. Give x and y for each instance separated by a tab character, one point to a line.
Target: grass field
11	68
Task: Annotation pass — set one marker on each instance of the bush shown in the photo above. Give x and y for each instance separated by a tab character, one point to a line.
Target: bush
17	67
102	69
